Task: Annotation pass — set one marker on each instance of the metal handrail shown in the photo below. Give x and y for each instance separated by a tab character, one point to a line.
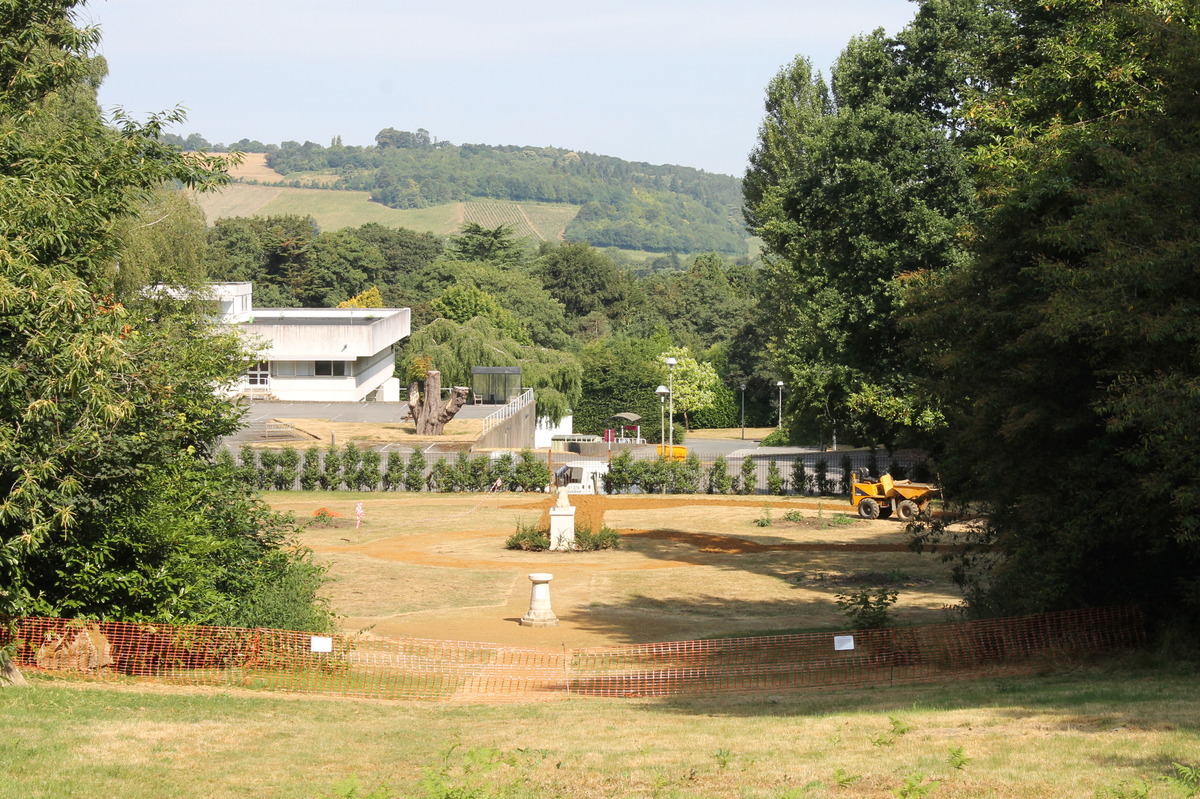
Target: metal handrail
505	412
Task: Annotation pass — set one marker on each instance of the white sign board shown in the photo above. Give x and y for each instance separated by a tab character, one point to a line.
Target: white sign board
843	642
321	643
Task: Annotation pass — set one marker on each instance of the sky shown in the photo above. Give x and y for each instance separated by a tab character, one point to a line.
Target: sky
662	81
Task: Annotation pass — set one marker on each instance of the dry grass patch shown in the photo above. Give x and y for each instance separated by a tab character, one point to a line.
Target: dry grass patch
364	586
398	432
687	567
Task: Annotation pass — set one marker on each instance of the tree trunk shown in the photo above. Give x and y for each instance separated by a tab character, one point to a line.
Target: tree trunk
429	410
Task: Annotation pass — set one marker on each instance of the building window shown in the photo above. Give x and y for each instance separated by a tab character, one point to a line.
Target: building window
259	374
332	368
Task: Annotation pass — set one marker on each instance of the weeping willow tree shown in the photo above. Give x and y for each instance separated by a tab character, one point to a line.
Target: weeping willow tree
453	348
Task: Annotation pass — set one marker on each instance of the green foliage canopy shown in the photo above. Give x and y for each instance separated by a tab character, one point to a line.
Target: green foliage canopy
851	194
1067	347
111	506
454	348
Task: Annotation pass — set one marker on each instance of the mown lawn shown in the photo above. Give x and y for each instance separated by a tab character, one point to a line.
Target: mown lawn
1109	729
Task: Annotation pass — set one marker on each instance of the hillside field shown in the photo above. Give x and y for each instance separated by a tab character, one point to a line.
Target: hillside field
338	209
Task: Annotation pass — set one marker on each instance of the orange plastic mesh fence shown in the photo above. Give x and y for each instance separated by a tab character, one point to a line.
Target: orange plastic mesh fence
366	666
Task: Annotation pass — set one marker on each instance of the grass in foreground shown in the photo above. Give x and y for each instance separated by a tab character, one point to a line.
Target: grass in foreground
1110	730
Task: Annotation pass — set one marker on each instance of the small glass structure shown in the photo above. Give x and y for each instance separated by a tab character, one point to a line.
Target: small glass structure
495	385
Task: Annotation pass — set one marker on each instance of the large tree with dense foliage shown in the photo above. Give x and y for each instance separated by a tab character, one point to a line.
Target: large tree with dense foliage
851	192
111	506
1068	351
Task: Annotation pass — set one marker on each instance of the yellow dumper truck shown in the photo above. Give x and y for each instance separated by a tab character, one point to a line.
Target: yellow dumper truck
887	497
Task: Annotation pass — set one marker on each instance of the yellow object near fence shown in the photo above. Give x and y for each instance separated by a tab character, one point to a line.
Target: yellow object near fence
671	452
421	669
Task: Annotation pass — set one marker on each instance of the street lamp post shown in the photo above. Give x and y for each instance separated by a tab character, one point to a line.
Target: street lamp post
779	385
743	411
662	392
671	394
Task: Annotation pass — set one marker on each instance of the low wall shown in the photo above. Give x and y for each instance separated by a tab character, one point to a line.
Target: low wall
513	426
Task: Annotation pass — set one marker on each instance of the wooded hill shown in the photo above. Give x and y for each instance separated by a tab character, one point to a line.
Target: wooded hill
622	204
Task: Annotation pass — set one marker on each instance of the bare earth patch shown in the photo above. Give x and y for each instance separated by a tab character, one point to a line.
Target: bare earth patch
459	431
435	566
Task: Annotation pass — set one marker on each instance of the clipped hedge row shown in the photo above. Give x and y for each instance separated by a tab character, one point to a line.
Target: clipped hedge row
351	468
720	477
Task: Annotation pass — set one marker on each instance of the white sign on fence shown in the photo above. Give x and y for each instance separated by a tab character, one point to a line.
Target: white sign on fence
321	643
843	642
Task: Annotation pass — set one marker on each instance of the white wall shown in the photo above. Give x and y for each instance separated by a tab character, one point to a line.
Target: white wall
544	430
342	334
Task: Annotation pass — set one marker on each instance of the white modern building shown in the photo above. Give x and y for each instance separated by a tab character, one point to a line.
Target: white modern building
316	354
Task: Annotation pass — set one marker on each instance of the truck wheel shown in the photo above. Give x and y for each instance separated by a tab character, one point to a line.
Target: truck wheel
868	508
907	510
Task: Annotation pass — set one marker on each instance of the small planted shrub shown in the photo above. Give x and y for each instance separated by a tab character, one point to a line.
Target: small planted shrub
867	609
847	471
873	463
268	468
528	538
719	479
289	469
821	478
393	473
224	459
460	473
248	460
310	472
748	483
685	476
331	469
765	519
775	484
443	476
367	477
621	474
799	476
653	475
351	460
588	541
531	473
500	471
414	473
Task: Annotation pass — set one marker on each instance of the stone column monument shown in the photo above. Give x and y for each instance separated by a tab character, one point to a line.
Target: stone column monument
562	523
540	613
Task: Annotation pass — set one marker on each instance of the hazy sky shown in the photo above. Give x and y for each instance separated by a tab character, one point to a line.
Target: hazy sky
663	81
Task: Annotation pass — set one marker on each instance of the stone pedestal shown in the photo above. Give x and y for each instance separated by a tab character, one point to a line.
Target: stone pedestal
540	613
562	528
